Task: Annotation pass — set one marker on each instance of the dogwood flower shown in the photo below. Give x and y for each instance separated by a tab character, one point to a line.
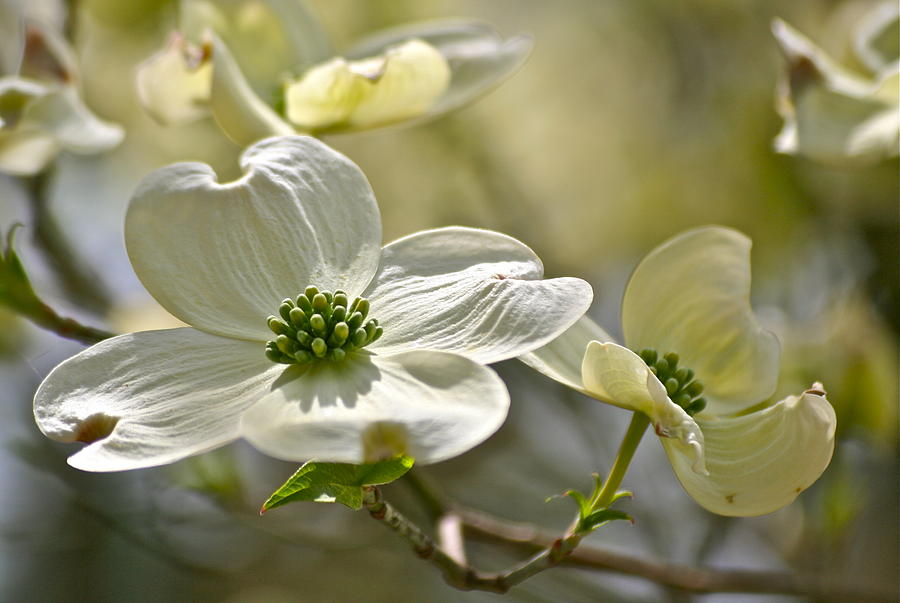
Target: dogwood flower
401	75
41	109
834	115
701	367
307	338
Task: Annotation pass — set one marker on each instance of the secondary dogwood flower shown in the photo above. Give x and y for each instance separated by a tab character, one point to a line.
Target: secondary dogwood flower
404	74
702	366
307	338
41	110
831	114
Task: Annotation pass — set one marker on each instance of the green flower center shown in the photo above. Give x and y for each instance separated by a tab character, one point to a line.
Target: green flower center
680	384
320	325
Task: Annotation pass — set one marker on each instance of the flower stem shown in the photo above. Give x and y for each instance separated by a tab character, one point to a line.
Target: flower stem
605	495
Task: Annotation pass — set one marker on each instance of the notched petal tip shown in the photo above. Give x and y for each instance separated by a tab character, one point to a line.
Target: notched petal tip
817	389
760	462
95	427
87	429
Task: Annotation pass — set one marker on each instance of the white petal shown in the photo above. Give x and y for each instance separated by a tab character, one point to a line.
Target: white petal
479	58
474	292
221	257
618	376
430	405
760	462
152	398
691	296
324	97
402	82
25	151
174	84
53	111
830	114
241	114
64	115
561	359
407	82
268	38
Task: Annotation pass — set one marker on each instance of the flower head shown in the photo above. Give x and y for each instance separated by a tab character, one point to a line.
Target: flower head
702	364
401	75
307	338
41	110
832	114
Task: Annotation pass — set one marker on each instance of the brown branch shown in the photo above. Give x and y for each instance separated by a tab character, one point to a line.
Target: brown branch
531	538
46	317
692	579
460	575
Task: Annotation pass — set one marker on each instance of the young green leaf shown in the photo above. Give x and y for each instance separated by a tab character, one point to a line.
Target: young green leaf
602	517
336	482
15	289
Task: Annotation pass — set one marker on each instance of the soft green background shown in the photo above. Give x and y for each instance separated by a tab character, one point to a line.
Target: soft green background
630	122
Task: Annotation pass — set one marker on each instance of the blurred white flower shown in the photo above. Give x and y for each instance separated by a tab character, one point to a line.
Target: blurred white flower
399	370
686	310
41	109
832	114
401	75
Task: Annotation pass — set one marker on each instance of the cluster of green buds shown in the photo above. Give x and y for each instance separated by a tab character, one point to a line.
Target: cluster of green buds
320	325
680	384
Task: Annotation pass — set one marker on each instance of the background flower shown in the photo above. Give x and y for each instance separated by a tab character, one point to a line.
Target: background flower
403	74
41	109
688	302
832	113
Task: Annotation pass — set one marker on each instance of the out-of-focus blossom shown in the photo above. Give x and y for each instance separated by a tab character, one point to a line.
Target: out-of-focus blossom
835	115
401	75
300	235
41	109
686	310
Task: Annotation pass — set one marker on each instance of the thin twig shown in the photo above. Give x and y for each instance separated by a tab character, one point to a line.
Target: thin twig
689	579
460	575
46	317
697	580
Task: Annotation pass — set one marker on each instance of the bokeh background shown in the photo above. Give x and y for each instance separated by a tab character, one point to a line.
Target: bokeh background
630	122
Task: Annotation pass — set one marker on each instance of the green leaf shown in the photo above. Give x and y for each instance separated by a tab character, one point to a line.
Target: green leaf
15	288
621	494
583	503
336	482
602	517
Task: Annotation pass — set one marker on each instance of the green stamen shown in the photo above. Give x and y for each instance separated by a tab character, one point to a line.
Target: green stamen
679	382
320	325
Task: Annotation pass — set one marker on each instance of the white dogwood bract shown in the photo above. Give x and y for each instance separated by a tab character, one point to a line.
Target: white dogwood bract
691	296
223	256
